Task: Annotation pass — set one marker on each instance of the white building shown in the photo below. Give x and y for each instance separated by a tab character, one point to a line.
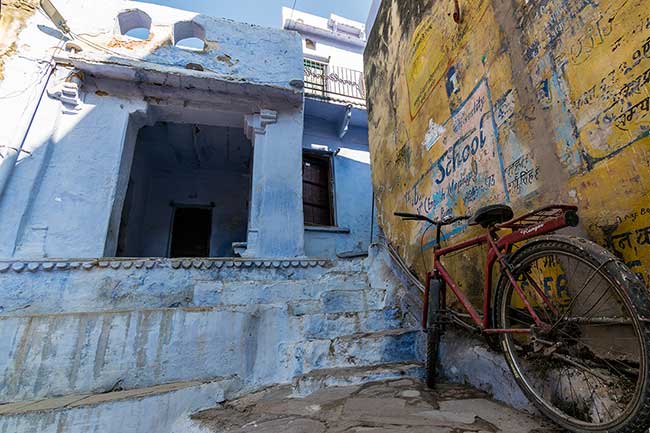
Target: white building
335	134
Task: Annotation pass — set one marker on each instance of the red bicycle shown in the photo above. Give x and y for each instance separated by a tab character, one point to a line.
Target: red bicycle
572	320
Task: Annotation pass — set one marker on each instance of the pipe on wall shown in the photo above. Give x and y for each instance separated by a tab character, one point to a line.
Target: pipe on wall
13	152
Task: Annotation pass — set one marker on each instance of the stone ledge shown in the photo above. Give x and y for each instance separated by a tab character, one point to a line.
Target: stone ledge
150	263
316	380
74	401
327	229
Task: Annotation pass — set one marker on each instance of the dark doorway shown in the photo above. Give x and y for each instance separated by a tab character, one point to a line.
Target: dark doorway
191	232
317	190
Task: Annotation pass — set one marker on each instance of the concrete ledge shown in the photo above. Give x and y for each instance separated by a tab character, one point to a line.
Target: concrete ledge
154	409
361	349
467	359
329	377
327	229
50	287
73	401
150	263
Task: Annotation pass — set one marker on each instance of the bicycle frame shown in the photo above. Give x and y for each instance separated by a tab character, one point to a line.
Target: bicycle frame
523	228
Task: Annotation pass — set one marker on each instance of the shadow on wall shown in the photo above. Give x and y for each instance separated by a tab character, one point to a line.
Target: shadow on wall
352	188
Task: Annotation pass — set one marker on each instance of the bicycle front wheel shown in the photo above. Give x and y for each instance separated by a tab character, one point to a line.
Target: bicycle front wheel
589	371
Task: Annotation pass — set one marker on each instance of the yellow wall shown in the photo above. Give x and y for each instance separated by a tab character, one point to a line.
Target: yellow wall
524	104
13	15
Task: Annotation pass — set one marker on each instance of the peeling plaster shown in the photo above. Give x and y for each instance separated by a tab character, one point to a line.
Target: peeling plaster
15	14
569	113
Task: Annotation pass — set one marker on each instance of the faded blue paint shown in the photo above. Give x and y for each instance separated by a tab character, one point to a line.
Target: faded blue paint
352	178
77	329
65	195
58	200
229	53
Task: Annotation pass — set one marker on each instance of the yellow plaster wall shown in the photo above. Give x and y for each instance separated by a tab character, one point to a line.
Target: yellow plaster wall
523	102
13	15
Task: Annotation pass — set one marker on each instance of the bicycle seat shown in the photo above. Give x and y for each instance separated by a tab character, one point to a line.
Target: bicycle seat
490	215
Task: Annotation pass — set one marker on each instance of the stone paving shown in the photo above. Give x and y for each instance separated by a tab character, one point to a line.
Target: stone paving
397	406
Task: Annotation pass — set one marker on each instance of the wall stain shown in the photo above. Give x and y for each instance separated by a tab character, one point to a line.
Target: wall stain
566	113
15	14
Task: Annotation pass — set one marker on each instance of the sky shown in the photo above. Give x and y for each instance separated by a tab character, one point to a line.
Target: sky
269	12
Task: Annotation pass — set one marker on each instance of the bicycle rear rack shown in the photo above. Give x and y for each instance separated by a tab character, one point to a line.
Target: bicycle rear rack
542	215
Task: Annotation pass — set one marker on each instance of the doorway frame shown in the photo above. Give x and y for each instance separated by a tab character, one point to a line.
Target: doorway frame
174	205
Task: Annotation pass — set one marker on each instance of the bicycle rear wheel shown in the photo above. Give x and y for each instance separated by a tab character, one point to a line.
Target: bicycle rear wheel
434	331
588	373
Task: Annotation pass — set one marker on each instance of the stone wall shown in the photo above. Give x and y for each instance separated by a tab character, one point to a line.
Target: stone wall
525	103
87	327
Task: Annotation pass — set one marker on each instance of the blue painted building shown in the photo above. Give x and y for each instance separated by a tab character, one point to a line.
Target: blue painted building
155	132
337	192
174	196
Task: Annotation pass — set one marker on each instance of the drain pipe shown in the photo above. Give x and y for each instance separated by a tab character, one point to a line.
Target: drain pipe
8	163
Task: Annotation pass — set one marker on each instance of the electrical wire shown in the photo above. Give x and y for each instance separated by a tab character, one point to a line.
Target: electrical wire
399	262
293	8
39	79
102	47
80	37
424	263
15	93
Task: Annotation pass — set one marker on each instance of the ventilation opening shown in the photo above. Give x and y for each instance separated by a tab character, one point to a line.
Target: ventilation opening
134	23
189	35
310	44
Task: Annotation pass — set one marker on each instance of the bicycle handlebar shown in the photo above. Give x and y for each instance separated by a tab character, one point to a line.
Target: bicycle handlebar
443	222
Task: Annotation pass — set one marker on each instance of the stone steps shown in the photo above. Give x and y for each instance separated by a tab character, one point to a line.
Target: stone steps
364	349
75	335
166	408
78	353
153	409
329	377
333	325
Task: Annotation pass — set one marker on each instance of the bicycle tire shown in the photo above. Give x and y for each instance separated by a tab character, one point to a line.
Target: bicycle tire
633	296
434	333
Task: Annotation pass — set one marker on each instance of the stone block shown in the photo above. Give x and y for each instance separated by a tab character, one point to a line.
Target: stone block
338	301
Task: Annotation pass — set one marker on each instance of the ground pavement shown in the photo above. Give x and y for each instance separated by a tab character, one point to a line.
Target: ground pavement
397	406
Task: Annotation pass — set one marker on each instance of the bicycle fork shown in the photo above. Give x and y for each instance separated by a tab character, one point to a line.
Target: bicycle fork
433	322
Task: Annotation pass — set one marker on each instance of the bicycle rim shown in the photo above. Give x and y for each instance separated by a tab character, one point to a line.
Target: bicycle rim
589	372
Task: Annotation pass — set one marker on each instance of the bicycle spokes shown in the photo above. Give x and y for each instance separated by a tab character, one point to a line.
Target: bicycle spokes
586	366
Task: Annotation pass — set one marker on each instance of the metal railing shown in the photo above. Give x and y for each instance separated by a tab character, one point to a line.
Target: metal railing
334	82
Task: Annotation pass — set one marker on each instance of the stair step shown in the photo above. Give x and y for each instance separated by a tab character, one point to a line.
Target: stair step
81	353
313	381
149	409
85	353
333	325
363	349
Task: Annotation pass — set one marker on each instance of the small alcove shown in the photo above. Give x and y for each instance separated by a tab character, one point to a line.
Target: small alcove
189	36
134	23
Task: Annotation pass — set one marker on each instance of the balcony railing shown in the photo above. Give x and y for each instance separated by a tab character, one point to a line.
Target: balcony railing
334	83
